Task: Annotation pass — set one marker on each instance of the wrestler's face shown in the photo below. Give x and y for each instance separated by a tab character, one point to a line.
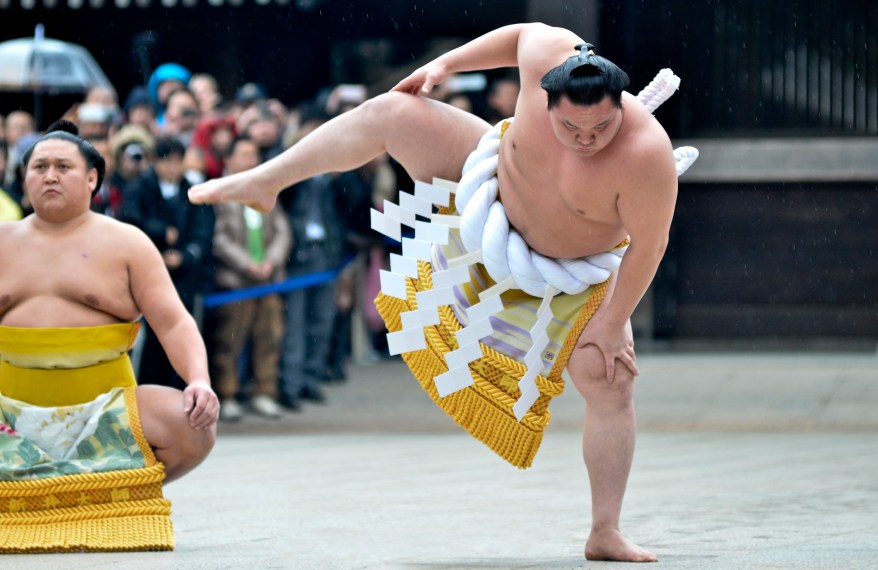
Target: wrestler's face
58	183
585	129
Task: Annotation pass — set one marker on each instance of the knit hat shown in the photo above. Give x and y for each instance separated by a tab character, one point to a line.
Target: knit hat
131	134
139	96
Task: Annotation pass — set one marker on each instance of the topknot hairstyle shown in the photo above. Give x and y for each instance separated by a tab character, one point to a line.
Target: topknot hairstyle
585	79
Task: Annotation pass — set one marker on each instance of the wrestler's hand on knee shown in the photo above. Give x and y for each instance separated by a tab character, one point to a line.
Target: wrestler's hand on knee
615	343
423	79
200	404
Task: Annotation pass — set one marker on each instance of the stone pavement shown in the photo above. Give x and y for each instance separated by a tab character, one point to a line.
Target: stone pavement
743	462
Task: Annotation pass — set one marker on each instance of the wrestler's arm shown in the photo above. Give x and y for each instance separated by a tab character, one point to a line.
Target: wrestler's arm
531	46
646	207
155	296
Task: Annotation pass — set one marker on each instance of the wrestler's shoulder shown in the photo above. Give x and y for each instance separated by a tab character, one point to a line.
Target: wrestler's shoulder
118	230
12	228
647	160
647	140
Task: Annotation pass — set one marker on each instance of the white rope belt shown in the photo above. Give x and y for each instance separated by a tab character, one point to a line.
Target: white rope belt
488	239
484	226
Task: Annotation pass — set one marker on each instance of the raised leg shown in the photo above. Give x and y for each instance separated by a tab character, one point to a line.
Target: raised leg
608	450
427	137
166	427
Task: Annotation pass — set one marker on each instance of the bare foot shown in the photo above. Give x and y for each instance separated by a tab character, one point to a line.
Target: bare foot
609	544
234	188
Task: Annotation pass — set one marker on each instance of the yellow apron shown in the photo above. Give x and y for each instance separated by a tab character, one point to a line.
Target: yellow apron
93	359
65	487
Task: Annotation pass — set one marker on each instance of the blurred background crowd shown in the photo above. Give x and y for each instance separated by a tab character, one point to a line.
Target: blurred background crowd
269	351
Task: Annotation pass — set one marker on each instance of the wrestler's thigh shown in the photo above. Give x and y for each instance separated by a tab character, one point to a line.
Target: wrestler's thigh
427	137
161	414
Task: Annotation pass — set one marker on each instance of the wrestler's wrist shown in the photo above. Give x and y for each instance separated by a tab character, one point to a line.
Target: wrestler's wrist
443	65
611	320
199	380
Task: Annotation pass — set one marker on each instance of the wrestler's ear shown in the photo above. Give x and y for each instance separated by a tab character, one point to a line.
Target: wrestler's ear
91	179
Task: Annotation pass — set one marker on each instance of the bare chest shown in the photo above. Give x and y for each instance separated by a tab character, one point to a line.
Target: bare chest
561	209
82	281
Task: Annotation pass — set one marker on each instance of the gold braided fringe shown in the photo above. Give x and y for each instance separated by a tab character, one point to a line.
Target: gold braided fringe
136	426
485	408
107	511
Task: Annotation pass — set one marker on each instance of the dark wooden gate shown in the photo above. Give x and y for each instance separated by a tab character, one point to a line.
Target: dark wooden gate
785	255
791	67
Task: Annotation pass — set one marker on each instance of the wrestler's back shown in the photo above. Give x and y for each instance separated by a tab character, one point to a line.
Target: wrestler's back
565	205
75	279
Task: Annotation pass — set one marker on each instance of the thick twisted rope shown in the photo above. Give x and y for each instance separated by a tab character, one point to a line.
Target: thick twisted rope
83	482
146	507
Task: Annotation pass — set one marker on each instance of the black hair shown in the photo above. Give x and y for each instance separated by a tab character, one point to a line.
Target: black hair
187	110
185	90
167	146
238	139
67	131
4	149
585	79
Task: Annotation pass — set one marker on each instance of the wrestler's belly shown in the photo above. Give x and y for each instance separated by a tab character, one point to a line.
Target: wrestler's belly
554	229
48	311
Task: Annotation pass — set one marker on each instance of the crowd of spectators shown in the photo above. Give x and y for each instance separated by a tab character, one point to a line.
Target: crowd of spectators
272	351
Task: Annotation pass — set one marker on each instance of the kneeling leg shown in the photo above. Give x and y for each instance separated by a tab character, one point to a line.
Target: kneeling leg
166	427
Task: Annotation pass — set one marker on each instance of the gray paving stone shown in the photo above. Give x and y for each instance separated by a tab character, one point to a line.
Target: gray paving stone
378	478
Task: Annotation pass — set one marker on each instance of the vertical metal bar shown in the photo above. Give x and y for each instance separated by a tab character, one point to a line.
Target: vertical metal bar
836	59
801	56
721	73
791	47
860	62
814	67
757	53
825	28
849	70
777	63
871	68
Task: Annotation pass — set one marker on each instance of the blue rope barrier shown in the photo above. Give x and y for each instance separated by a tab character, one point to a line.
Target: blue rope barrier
291	284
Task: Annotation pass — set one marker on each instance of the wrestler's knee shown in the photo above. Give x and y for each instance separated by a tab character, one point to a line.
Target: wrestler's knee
588	371
380	104
166	426
392	104
196	444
